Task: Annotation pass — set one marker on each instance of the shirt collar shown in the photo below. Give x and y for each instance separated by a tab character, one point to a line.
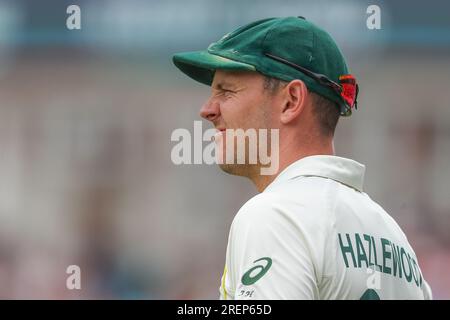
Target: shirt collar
343	170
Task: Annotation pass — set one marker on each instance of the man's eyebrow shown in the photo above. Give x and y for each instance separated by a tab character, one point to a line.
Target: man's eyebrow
224	85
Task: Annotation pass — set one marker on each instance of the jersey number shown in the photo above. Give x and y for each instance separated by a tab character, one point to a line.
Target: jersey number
370	294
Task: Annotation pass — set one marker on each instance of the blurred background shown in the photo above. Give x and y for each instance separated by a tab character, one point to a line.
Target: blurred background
86	118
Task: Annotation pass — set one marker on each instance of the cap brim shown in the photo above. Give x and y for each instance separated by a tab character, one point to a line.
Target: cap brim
201	65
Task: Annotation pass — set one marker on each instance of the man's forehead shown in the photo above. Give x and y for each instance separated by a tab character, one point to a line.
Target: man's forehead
233	78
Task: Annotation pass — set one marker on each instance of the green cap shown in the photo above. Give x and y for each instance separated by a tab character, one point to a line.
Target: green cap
283	48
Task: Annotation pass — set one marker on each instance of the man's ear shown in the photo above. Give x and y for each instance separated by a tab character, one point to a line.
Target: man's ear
295	99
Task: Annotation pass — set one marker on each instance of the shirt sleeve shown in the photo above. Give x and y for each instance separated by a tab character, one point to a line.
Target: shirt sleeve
267	255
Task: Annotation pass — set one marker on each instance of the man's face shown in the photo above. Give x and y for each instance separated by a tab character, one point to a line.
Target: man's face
238	101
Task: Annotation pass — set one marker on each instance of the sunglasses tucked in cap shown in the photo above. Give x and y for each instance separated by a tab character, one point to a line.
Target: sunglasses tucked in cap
283	48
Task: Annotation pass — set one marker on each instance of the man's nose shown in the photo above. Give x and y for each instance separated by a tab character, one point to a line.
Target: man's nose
210	110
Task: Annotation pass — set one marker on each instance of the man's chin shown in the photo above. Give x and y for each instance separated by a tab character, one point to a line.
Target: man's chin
229	168
243	170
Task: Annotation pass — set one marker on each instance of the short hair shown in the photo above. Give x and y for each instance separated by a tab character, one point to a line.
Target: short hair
326	111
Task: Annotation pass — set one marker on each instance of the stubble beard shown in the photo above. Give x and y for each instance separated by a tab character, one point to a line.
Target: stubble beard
247	169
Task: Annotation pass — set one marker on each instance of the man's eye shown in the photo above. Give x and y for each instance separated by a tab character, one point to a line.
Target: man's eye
225	93
228	92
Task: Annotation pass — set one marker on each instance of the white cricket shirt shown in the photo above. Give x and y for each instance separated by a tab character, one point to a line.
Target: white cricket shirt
314	234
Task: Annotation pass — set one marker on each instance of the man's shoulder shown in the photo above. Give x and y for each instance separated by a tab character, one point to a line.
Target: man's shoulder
276	206
262	205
